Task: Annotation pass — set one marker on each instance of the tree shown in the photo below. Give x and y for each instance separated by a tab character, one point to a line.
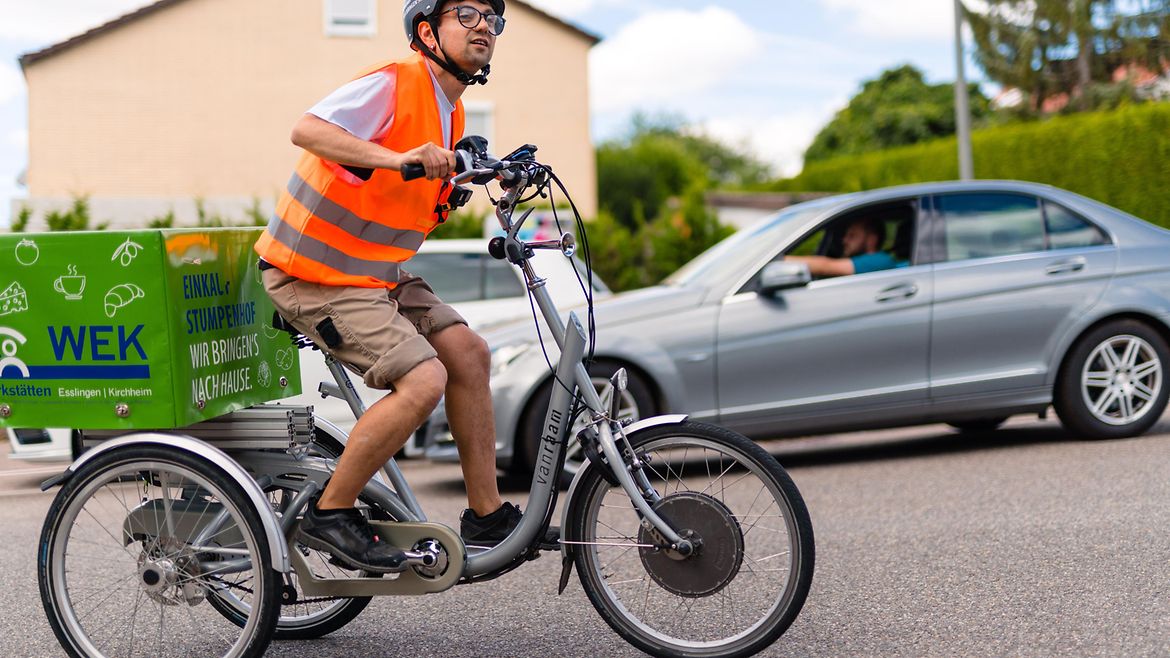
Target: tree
662	159
653	215
1054	48
895	109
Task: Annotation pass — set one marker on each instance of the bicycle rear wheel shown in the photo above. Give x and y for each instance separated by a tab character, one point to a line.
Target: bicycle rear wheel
748	579
134	544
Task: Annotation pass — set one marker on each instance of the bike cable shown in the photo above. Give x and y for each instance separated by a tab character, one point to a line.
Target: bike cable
586	285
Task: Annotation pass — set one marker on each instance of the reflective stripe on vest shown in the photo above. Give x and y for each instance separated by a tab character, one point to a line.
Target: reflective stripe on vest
351	223
333	229
328	256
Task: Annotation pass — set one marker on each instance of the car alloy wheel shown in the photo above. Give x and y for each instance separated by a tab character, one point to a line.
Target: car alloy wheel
1121	380
1112	382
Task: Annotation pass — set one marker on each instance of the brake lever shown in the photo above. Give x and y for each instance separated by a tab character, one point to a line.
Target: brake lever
474	175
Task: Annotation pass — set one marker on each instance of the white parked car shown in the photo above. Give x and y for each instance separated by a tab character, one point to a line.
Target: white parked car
484	290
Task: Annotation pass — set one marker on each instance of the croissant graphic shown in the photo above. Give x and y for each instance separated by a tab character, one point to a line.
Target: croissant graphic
121	295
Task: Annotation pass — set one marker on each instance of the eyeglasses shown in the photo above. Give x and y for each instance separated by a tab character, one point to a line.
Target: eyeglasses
469	17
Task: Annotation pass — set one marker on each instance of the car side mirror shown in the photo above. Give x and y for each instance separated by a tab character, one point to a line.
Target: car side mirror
781	275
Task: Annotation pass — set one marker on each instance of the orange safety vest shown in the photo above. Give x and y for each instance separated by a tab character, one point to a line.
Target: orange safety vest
332	228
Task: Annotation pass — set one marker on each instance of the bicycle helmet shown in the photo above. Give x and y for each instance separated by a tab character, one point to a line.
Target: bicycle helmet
416	11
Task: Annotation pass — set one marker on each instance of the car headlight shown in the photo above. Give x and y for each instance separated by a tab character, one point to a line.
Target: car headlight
505	355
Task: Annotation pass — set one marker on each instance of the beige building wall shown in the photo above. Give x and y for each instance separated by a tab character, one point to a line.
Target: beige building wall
197	99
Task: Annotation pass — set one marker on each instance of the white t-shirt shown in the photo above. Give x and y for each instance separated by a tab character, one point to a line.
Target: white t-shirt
365	107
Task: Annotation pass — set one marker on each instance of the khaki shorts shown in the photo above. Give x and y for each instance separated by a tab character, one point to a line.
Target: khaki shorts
382	334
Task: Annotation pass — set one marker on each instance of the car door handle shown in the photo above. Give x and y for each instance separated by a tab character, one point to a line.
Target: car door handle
1065	266
903	291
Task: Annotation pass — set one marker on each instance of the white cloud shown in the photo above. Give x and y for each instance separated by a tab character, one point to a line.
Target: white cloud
576	8
11	83
49	21
667	55
897	19
777	139
564	7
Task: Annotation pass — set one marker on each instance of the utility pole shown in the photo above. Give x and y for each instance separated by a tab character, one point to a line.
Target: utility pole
962	102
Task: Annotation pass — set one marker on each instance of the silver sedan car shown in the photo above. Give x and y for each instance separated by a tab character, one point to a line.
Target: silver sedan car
1006	298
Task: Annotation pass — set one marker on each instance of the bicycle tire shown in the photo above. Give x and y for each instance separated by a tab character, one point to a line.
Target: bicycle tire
606	564
107	475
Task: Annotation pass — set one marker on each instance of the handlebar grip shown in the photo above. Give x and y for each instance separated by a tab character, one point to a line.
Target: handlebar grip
412	171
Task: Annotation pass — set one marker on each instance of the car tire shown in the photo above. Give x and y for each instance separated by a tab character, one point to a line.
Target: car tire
979	425
640	400
1113	384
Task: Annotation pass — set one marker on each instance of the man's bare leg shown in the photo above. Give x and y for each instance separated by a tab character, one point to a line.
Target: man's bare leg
382	431
469	412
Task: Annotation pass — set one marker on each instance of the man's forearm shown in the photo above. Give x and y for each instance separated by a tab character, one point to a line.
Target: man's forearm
824	266
335	144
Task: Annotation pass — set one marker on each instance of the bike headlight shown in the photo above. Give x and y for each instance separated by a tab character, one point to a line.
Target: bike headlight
505	355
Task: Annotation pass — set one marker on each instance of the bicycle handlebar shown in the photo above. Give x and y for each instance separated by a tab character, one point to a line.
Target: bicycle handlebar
515	173
413	171
464	160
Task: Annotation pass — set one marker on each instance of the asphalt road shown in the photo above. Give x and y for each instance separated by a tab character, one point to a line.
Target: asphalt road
1021	542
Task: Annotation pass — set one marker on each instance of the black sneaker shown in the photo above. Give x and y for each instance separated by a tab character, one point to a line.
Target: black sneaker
489	530
347	536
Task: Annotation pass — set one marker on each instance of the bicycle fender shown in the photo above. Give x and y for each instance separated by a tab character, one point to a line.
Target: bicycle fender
654	421
276	541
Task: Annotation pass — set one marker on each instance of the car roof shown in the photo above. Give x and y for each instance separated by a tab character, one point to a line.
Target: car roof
832	203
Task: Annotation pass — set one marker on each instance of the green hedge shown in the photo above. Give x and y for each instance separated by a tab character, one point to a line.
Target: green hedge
1120	157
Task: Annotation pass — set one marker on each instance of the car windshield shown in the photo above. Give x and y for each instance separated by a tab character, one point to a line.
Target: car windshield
764	235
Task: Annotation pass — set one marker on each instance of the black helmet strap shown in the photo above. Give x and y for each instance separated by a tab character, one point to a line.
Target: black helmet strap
445	63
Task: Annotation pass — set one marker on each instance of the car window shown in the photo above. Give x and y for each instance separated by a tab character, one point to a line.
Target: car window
1067	230
454	277
893	221
500	281
987	225
808	246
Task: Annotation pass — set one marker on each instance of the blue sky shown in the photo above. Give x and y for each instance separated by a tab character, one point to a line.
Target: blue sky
765	75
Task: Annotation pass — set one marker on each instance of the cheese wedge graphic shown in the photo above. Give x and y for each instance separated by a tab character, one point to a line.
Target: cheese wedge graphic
13	299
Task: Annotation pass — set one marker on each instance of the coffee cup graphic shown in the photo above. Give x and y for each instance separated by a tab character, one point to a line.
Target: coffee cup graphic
71	285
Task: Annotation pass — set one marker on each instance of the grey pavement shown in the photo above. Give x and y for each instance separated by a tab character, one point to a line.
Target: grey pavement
1020	542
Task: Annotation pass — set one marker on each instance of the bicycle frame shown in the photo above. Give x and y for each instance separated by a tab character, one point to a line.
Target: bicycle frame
570	370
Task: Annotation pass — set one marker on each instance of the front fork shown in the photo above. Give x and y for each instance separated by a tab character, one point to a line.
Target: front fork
630	475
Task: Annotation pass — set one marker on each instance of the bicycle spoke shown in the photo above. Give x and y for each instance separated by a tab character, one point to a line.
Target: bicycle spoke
121	584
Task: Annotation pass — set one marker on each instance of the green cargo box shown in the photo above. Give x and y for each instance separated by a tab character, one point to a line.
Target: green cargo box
136	329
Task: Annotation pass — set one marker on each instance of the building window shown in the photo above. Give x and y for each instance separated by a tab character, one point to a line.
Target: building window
479	119
351	18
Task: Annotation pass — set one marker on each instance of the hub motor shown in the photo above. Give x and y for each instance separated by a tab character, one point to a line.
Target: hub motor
718	546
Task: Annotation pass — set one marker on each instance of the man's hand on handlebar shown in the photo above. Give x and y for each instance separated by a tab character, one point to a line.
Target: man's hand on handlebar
436	162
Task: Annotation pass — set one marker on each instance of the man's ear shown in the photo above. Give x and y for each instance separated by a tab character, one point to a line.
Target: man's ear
427	34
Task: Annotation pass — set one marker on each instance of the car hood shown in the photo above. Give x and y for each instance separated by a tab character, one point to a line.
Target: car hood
614	310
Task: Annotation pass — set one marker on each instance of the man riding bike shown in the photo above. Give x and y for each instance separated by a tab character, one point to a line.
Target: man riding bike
334	258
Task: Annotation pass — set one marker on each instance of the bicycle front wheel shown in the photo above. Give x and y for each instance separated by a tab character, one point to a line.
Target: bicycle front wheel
749	577
137	541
